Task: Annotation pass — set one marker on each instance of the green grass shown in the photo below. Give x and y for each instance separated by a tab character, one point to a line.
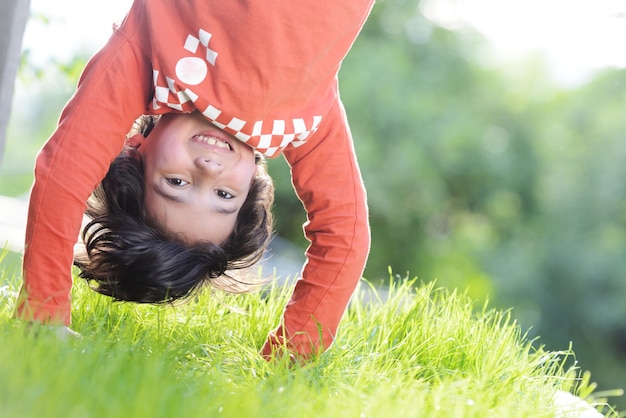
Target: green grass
425	352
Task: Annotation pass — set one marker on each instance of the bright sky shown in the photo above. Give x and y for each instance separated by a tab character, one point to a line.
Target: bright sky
577	36
71	25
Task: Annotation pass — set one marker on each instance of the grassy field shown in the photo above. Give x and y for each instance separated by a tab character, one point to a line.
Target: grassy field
423	352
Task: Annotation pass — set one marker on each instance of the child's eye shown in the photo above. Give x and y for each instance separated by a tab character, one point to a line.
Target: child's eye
177	182
224	195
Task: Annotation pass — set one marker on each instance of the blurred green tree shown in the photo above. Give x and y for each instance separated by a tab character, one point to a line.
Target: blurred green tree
498	182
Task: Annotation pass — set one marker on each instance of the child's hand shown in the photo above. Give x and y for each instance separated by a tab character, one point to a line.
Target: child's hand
61	331
64	332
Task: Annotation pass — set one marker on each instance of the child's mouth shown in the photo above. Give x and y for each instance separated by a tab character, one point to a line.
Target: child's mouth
211	140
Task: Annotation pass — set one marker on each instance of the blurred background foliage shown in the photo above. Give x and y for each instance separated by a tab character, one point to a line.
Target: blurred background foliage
495	180
486	178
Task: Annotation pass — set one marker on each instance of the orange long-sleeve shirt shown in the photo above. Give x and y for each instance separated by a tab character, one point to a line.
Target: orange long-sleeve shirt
264	72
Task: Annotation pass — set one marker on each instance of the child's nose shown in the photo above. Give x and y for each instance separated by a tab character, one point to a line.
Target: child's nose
209	164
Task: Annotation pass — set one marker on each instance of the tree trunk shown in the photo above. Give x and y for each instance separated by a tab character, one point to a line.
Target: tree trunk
13	17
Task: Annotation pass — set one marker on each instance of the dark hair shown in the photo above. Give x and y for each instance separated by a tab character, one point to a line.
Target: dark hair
130	257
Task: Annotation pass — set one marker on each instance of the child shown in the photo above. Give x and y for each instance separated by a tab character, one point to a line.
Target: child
150	238
264	74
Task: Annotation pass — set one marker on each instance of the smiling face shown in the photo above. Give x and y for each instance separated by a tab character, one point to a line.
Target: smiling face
197	177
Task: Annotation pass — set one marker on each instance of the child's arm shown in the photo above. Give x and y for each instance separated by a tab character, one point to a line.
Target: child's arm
113	91
328	182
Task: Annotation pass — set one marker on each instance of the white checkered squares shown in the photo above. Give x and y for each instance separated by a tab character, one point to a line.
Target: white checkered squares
236	124
287	139
268	136
191	44
258	127
161	94
265	141
278	127
191	95
212	113
205	37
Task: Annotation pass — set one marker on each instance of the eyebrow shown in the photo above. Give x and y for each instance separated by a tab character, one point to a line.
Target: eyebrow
179	200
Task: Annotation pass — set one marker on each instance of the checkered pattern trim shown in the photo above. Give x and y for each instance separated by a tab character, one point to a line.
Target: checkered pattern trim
269	137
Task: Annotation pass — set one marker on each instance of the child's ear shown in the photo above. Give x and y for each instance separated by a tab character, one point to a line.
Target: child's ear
135	141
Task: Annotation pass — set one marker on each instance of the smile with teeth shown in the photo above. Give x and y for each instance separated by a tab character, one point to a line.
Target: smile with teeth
211	140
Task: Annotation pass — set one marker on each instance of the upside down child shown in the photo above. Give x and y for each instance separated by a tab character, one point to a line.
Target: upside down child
187	201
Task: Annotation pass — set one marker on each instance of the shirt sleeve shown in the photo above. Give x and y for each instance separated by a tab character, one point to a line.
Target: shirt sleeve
327	180
111	94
